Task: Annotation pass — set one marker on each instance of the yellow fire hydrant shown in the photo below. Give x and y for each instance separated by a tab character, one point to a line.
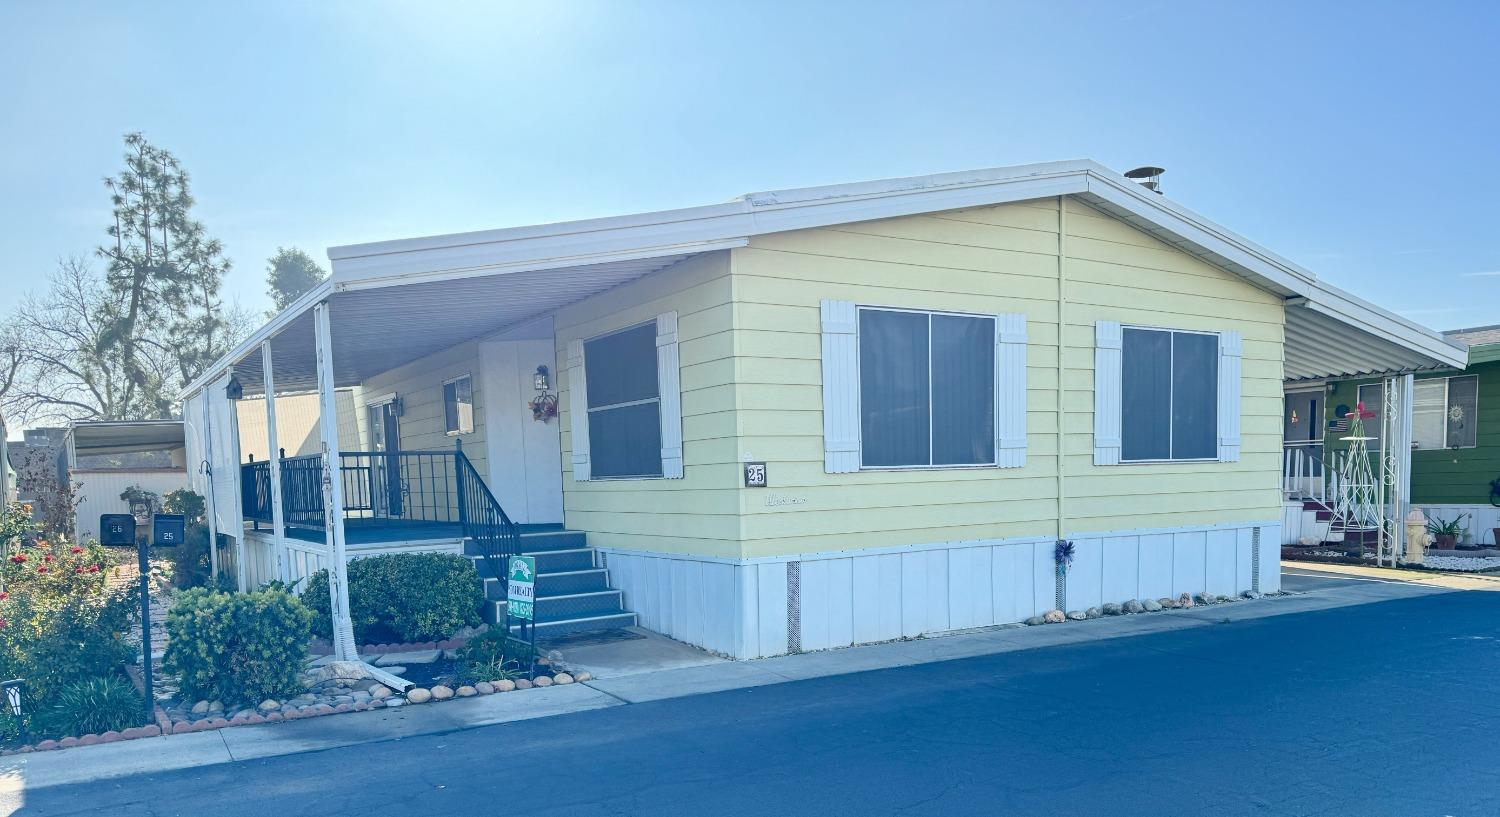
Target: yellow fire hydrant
1417	537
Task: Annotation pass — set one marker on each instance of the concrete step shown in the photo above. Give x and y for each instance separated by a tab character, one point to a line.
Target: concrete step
494	613
552	629
556	584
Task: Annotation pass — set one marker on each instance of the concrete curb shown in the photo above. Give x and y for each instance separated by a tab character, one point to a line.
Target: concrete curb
167	753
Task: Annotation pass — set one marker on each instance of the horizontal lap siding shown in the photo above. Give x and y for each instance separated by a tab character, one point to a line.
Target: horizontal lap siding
420	387
989	260
697	514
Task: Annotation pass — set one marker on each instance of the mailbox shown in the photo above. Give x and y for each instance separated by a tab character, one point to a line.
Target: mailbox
117	529
167	529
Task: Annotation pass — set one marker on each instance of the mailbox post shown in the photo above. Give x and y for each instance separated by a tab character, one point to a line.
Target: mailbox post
167	530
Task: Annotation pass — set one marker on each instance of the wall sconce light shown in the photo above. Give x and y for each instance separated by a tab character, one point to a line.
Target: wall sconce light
539	381
235	390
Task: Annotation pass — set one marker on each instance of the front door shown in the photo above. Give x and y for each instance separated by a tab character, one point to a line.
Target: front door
385	462
523	447
1302	436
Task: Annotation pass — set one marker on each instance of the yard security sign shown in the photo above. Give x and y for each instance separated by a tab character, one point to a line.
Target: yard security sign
521	588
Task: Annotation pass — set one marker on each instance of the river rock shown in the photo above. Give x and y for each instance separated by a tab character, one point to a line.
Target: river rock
1167	604
338	670
1151	606
1054	617
381	691
1132	606
1111	609
418	695
1076	615
467	691
1093	612
1250	594
442	693
522	683
200	707
484	688
562	678
543	681
503	685
1185	601
580	677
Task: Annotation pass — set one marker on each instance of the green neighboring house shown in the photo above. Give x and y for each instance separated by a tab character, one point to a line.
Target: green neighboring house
1455	432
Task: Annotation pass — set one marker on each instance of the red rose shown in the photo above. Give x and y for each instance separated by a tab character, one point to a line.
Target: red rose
47	558
77	549
18	558
93	568
4	595
78	569
42	569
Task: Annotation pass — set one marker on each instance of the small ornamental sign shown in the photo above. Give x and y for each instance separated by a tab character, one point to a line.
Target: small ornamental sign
520	588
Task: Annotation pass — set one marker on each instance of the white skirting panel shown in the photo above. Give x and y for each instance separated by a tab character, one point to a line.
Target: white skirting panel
765	607
1482	521
306	558
1291	523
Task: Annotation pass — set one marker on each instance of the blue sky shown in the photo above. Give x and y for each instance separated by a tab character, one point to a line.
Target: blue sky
1351	138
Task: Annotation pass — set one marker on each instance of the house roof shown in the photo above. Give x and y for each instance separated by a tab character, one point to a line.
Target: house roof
1483	342
478	282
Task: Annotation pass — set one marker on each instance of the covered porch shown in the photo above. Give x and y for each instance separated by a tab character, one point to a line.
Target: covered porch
1348	434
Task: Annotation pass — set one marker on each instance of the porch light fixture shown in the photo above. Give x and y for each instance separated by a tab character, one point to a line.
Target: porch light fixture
15	692
235	390
539	380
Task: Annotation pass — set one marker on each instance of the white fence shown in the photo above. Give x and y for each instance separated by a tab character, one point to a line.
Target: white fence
305	558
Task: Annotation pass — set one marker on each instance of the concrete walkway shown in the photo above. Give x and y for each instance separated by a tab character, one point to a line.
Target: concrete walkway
19	773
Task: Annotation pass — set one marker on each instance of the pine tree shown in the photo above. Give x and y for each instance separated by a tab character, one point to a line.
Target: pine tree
290	273
165	274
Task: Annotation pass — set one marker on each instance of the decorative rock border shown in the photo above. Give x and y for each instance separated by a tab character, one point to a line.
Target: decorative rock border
269	711
1133	606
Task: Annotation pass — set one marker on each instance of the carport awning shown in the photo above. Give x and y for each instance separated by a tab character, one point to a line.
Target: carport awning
1320	346
126	436
379	328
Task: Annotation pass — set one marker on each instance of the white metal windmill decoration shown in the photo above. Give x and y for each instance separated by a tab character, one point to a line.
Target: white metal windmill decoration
1363	490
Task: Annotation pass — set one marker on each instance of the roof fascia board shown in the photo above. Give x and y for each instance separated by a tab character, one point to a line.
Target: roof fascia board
271	329
1320	297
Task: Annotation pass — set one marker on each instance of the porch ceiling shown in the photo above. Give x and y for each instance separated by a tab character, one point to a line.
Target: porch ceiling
376	330
1319	346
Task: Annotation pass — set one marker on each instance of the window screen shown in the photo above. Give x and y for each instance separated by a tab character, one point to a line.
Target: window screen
1169	390
927	389
458	405
624	403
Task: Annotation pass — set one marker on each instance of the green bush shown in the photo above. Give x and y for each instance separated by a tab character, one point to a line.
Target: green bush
60	621
494	655
190	561
403	597
92	706
238	647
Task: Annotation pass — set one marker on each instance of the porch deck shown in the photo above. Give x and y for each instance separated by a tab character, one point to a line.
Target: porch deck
364	531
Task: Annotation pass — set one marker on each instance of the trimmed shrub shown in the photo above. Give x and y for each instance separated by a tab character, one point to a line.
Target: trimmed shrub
92	706
238	647
403	597
494	655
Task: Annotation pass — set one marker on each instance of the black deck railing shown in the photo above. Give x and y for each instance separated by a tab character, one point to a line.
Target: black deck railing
393	486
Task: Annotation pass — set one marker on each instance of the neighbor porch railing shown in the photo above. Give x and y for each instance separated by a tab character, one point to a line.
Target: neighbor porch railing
388	486
1310	471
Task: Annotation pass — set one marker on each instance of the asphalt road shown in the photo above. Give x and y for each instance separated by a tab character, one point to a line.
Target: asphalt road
1380	709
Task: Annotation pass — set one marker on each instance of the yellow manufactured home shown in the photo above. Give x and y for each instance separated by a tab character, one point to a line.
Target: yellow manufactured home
813	418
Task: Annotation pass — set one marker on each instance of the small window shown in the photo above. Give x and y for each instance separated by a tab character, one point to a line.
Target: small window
458	405
1444	412
926	389
624	404
1169	395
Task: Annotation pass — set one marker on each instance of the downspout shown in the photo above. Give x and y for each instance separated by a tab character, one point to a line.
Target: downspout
1062	302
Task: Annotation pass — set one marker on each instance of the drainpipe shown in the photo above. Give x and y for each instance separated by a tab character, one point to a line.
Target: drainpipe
1062	302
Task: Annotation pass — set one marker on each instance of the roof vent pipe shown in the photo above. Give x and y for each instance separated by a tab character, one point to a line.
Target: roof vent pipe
1149	177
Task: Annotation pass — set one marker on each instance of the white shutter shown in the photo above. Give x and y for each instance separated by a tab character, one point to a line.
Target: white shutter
669	387
1107	343
1230	352
1010	390
840	387
578	411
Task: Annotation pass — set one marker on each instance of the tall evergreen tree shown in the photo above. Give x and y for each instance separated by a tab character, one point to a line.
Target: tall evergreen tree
165	274
289	274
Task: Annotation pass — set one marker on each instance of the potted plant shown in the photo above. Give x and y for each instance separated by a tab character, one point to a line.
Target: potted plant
1445	534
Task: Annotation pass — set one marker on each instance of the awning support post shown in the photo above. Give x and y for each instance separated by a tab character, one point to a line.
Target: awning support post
278	521
344	648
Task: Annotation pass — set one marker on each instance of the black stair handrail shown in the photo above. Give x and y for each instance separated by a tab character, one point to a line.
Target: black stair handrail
482	518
